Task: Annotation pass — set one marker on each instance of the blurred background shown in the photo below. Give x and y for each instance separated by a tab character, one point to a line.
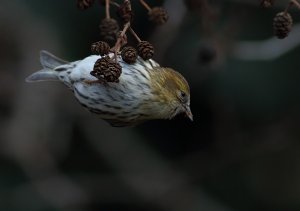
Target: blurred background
242	152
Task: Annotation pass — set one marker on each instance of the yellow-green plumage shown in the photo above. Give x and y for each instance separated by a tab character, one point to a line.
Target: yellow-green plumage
166	83
167	86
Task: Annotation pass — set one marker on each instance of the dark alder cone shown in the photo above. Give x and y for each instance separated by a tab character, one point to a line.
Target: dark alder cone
158	15
125	12
100	66
145	50
129	55
282	24
114	73
106	69
266	3
109	28
100	48
84	4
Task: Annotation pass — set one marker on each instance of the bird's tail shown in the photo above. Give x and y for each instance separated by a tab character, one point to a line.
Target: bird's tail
49	63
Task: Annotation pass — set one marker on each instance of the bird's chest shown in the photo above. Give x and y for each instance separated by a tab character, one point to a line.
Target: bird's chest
112	99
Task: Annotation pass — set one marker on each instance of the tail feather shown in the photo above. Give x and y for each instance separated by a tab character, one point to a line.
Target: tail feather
42	75
49	63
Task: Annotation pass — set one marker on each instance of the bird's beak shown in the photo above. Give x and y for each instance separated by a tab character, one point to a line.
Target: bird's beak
188	112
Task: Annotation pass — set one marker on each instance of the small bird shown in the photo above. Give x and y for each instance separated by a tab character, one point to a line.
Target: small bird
145	90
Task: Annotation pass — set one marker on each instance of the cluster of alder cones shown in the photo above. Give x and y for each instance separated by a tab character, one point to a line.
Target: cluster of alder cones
107	68
283	21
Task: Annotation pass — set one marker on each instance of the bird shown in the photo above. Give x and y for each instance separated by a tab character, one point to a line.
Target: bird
145	90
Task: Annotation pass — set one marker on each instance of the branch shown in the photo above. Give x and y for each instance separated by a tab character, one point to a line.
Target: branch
269	49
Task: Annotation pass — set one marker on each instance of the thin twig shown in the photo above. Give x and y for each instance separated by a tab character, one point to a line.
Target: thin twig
296	3
128	4
115	4
288	7
118	44
126	26
134	34
107	13
292	3
145	5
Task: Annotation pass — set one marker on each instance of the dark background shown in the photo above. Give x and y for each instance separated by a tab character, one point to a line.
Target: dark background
240	153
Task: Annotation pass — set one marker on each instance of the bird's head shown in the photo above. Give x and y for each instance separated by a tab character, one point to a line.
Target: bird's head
172	90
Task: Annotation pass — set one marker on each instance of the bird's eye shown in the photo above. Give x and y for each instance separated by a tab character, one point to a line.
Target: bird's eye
183	96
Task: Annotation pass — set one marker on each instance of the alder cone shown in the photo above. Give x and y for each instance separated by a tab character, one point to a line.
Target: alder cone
101	48
124	12
282	24
107	70
129	55
109	28
266	3
158	15
145	50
